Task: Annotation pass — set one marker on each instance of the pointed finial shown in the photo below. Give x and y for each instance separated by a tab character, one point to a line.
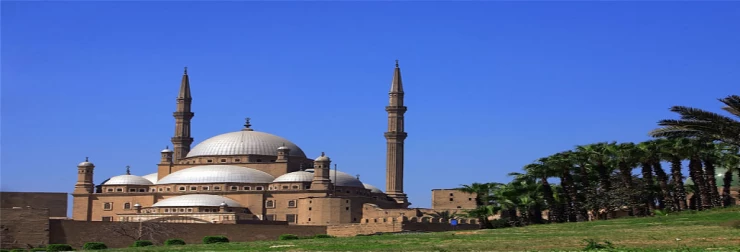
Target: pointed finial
322	154
358	176
396	63
246	123
128	170
186	71
86	160
167	147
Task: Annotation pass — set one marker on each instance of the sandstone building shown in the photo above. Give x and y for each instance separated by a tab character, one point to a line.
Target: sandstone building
247	175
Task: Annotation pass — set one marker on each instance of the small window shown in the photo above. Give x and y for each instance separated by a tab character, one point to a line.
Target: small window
270	217
470	199
295	187
223	160
346	201
107	218
308	187
182	188
450	194
346	208
205	188
270	204
154	190
234	188
107	206
193	188
132	190
168	189
207	210
182	210
459	207
119	189
166	210
247	188
126	205
110	190
142	189
309	219
285	187
291	203
272	161
209	161
290	218
217	188
259	188
451	199
309	209
237	160
259	160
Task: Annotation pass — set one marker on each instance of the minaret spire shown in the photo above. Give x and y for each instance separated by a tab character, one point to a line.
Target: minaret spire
395	137
182	140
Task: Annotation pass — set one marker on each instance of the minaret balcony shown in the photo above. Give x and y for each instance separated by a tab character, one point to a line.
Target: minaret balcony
395	135
396	109
180	114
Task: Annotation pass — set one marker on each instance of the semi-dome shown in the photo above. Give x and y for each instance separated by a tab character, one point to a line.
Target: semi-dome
151	177
245	142
216	174
372	188
193	200
299	176
343	179
127	180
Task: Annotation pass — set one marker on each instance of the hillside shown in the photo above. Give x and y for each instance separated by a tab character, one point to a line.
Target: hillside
716	230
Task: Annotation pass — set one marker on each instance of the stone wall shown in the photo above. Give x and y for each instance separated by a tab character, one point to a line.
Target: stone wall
24	227
55	202
119	234
391	226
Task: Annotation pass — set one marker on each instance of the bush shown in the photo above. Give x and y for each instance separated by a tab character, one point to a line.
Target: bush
284	237
58	247
38	249
172	242
500	223
215	239
320	236
14	250
94	246
592	244
143	243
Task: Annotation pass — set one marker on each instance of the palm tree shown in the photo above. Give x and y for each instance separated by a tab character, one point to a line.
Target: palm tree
445	215
626	157
647	155
530	200
710	153
543	172
691	147
731	161
671	151
696	122
600	155
483	193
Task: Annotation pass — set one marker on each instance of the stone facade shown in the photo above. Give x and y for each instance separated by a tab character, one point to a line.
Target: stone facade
452	200
55	202
24	227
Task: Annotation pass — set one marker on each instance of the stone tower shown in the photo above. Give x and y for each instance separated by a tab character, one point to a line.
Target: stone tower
394	139
182	140
84	177
321	180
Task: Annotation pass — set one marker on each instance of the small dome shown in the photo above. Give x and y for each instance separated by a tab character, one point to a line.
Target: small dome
322	158
299	176
223	204
343	179
244	142
127	180
217	174
137	205
283	148
151	177
372	188
86	163
191	200
167	150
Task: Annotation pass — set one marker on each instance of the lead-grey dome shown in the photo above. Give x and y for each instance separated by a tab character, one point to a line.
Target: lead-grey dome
244	142
127	180
372	188
299	176
343	179
217	174
192	200
151	177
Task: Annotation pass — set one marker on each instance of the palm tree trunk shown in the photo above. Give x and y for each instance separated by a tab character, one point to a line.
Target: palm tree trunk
626	175
680	191
663	183
550	200
697	175
727	180
573	204
647	177
712	182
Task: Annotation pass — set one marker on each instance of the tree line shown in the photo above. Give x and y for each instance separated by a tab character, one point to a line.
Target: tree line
596	180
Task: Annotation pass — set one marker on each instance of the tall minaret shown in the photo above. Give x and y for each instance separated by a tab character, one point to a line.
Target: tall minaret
394	139
182	140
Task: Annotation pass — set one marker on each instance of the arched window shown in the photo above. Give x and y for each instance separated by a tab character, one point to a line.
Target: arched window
107	206
126	205
270	204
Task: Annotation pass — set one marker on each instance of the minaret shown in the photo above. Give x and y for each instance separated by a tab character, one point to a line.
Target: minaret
394	140
182	140
321	180
84	177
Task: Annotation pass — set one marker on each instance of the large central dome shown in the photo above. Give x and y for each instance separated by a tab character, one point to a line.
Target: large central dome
245	142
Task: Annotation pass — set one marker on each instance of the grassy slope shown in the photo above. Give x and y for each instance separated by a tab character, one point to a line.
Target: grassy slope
698	231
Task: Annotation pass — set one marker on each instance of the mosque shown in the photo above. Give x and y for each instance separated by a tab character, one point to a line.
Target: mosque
244	176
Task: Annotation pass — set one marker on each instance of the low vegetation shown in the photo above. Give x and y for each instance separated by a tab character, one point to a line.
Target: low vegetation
686	231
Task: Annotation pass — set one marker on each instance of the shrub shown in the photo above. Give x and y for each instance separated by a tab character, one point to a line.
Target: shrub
58	247
320	236
143	243
172	242
38	249
94	246
14	250
592	244
500	223
215	239
284	237
5	250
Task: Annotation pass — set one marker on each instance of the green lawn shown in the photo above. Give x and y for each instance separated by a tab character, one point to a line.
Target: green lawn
703	231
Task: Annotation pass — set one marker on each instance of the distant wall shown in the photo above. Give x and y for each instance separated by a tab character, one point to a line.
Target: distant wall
55	202
76	233
23	228
393	225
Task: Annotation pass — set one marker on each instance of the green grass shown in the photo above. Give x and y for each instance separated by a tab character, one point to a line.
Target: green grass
699	231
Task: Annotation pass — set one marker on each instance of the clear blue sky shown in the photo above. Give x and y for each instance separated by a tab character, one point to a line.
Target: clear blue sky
490	86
